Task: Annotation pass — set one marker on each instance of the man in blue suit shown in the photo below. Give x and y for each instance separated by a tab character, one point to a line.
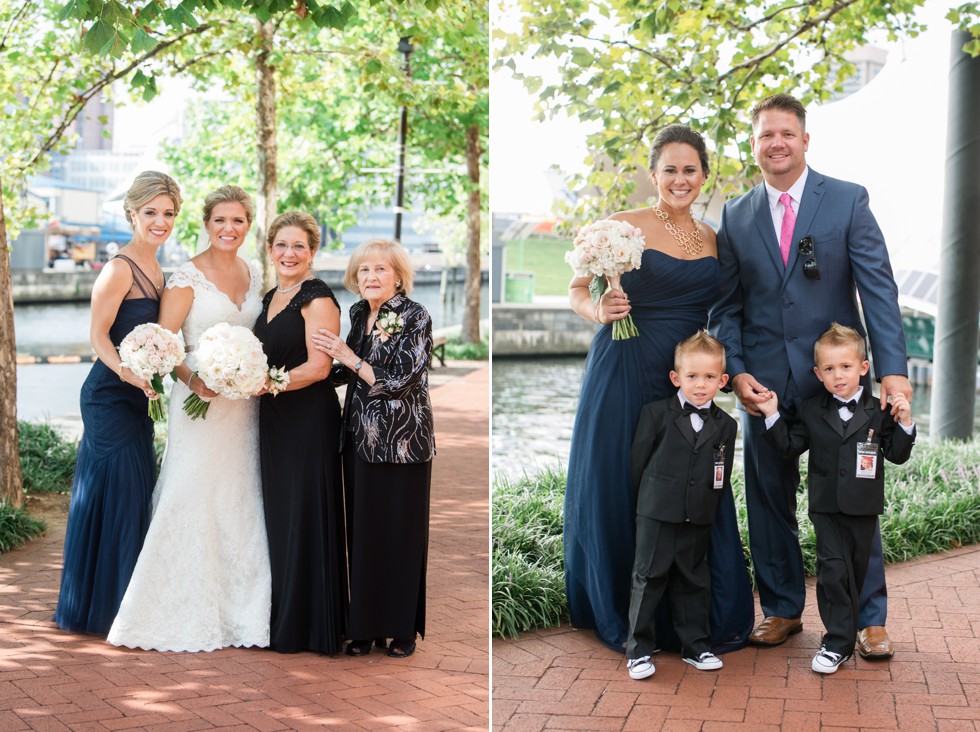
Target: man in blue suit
796	252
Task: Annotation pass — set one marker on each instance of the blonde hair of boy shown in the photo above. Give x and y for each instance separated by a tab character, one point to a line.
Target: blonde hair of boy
700	342
841	335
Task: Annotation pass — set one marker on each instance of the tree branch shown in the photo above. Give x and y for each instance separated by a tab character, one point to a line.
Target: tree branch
14	22
82	99
774	48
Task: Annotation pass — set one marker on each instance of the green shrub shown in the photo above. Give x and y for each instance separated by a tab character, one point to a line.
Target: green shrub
932	504
47	460
457	351
17	528
528	577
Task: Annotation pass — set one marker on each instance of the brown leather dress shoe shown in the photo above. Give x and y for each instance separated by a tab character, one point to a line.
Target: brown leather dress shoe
873	642
774	631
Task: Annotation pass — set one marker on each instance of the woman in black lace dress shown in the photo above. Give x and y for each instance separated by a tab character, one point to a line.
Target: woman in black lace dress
299	437
388	448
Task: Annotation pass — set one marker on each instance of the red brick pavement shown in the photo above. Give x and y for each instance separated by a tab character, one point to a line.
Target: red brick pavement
53	680
564	679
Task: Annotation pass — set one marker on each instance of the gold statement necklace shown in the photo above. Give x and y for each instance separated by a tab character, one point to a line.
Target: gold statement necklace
690	241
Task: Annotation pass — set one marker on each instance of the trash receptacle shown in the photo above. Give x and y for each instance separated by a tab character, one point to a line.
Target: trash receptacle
518	287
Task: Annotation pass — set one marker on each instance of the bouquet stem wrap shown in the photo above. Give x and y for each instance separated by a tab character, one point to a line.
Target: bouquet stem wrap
624	328
605	250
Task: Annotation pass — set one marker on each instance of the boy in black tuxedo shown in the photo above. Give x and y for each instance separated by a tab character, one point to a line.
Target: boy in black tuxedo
849	437
681	461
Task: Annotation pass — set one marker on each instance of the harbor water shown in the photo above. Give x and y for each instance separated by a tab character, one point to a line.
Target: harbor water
51	390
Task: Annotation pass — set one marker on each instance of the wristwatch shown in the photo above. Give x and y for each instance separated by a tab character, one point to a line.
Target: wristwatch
357	366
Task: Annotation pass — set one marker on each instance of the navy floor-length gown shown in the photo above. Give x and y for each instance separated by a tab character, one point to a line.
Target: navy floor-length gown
109	512
670	299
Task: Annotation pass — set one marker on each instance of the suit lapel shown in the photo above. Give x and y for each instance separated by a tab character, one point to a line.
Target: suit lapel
809	204
831	414
763	220
708	430
862	416
683	423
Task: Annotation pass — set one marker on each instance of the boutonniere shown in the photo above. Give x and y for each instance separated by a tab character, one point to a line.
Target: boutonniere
387	325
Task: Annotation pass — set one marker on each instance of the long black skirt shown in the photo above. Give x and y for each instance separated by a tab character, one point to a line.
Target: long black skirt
388	546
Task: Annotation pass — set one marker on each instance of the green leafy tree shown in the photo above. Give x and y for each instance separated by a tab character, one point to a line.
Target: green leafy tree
635	67
234	44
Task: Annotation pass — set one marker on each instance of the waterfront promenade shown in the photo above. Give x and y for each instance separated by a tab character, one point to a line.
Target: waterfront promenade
54	680
564	679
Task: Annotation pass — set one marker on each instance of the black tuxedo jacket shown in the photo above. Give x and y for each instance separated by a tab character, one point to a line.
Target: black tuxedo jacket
673	467
832	485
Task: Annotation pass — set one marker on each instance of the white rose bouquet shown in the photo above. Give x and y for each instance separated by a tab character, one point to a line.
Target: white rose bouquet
150	351
230	361
606	249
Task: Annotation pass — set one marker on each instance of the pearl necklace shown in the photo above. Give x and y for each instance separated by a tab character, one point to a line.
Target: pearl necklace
292	287
690	241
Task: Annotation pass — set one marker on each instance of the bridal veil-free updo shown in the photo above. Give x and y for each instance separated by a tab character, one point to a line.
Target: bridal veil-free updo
229	194
146	186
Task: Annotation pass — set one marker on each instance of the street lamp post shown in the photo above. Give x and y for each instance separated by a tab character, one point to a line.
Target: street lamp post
405	48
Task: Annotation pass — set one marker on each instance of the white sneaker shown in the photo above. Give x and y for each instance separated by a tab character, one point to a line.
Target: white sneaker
707	661
640	668
827	662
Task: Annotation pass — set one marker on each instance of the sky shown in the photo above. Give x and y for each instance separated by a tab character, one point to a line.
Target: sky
864	138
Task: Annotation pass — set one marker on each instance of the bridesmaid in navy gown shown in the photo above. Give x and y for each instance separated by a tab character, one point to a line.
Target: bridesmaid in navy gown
668	298
110	497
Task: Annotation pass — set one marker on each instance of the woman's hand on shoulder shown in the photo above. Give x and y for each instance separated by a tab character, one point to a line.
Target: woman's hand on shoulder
333	345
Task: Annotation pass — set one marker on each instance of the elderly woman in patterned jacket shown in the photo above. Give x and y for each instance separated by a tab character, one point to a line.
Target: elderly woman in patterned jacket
388	446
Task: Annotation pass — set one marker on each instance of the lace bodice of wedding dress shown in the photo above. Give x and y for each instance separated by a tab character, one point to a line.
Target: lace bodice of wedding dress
202	580
212	306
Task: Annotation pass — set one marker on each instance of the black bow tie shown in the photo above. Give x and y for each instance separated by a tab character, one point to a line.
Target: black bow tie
851	405
690	409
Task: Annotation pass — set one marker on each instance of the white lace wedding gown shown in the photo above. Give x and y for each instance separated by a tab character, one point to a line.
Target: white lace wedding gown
202	580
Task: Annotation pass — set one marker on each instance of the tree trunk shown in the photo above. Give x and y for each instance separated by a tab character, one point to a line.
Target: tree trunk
11	484
471	291
265	107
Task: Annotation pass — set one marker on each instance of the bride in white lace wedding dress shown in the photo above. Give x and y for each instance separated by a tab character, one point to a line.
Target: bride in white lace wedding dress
202	580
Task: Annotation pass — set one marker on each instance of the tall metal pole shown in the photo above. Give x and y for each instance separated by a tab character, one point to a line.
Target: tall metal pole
953	387
404	47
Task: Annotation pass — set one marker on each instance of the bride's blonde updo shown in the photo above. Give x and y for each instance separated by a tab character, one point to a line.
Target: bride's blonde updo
229	194
146	186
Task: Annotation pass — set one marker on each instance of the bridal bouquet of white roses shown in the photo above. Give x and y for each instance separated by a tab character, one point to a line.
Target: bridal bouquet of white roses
150	351
230	361
606	249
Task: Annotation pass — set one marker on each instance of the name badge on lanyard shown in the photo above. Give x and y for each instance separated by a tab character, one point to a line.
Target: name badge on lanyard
719	467
867	457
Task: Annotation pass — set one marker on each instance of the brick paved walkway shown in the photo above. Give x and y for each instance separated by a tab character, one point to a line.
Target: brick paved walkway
52	680
564	679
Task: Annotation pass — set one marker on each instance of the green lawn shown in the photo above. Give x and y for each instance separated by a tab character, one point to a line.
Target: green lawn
545	259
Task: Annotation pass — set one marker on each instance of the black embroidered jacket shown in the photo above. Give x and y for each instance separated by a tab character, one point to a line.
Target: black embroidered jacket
391	421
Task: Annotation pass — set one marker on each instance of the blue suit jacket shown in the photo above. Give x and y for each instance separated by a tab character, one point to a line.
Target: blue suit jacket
769	316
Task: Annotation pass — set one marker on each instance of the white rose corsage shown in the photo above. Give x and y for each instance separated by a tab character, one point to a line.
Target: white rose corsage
387	325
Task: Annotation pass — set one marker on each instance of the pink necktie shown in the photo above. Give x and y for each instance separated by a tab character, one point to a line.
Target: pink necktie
786	232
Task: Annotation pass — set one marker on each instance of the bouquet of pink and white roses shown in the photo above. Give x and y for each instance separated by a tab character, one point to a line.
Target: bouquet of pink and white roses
230	361
606	249
150	351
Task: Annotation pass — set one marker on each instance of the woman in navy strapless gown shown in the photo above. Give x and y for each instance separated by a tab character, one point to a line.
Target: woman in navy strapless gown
110	496
668	298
